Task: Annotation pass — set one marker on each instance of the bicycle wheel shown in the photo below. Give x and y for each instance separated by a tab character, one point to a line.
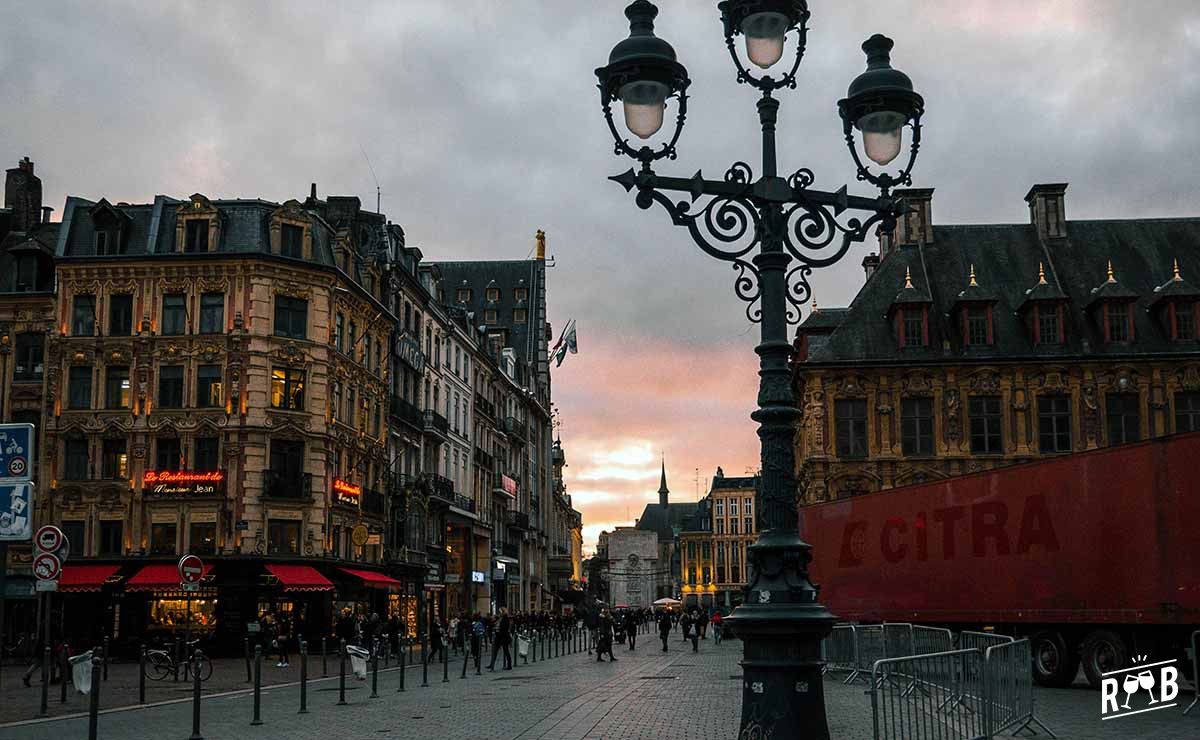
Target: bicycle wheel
206	668
158	666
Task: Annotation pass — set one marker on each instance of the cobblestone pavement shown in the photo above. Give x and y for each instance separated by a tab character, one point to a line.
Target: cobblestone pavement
645	694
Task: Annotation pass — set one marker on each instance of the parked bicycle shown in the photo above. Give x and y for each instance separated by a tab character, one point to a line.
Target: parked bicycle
161	663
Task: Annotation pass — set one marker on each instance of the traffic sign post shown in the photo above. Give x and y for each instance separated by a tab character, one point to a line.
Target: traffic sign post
50	549
16	496
191	570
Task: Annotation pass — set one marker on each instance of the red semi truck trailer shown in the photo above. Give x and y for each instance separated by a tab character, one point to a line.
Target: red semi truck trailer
1094	556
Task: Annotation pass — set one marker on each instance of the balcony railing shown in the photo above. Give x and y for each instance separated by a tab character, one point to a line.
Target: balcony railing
514	428
281	486
442	487
504	484
483	459
510	549
373	502
517	520
408	413
435	422
464	503
484	406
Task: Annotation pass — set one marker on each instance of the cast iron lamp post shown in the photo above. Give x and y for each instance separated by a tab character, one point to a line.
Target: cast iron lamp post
795	229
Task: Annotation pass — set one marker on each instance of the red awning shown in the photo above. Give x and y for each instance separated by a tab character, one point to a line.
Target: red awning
78	578
158	577
300	577
373	579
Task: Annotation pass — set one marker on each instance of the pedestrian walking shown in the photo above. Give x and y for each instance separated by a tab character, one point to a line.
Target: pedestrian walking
282	639
591	620
716	623
502	640
664	627
703	624
604	642
631	628
436	646
690	622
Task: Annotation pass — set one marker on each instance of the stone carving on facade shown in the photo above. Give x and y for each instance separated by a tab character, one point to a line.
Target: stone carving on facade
952	416
139	451
883	403
852	387
291	354
1020	401
814	416
119	357
1158	398
294	290
1123	380
916	384
82	357
1054	382
1091	411
209	351
986	382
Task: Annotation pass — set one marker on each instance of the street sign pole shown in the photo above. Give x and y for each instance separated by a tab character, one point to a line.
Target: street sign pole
3	600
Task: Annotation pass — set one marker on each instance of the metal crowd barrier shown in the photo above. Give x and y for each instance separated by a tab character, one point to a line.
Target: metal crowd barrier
1009	689
841	651
1195	670
897	639
869	648
901	714
968	640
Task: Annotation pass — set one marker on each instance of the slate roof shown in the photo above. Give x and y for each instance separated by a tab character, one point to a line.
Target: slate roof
149	228
1006	259
506	276
744	482
663	521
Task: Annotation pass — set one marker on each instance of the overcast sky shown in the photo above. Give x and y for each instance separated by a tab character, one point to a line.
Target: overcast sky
481	119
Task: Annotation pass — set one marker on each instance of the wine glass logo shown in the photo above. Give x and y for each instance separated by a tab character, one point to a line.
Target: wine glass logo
1146	681
1130	685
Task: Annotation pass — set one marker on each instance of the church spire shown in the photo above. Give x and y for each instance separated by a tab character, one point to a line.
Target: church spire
663	491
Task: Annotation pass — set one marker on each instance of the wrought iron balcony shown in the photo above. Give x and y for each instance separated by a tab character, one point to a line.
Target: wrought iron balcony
484	406
517	520
505	485
373	502
483	459
407	413
510	549
294	487
442	488
515	428
464	503
437	424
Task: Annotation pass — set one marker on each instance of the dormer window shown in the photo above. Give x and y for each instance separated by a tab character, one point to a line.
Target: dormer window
196	235
493	295
26	273
464	295
291	241
489	316
101	242
1113	305
521	294
1176	306
979	325
1183	321
1043	309
913	327
1048	324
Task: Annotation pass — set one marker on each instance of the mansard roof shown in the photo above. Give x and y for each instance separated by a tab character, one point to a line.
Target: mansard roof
1007	257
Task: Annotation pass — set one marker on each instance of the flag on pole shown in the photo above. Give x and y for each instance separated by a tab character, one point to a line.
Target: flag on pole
566	343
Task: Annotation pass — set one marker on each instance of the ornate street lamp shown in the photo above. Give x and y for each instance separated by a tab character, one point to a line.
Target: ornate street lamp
795	229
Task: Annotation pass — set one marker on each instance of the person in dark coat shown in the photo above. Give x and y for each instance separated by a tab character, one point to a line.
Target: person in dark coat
703	624
502	639
664	627
690	623
631	628
345	628
591	620
435	641
604	639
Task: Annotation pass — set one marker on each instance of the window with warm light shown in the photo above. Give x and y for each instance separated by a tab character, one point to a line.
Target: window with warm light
30	359
287	389
116	387
208	387
114	462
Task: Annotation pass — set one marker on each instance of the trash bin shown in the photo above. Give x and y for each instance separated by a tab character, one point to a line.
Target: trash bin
81	672
358	661
522	647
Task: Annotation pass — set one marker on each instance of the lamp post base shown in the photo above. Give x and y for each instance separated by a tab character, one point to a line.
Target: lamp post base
781	626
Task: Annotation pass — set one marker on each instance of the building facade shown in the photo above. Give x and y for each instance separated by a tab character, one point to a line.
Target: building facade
633	568
972	347
666	520
279	388
734	528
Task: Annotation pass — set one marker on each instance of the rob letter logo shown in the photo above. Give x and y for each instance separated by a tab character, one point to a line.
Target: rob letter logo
1159	682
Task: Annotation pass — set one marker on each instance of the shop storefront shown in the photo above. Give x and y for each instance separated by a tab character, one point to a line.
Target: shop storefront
157	609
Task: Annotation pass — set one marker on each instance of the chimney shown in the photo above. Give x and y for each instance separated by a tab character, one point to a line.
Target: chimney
23	194
915	226
1047	209
540	238
46	211
870	264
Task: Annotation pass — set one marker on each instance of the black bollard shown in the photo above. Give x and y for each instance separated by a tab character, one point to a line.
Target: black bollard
105	657
303	677
445	667
257	686
324	655
424	664
402	668
342	673
466	657
196	658
94	700
178	658
64	667
142	674
533	647
246	652
375	671
44	711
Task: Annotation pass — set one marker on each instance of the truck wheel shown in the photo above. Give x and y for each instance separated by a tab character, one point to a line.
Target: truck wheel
1103	651
1054	664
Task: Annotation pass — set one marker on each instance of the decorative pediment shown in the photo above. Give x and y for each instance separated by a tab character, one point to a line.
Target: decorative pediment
294	290
171	351
1122	380
852	386
209	351
1054	381
291	354
916	384
287	426
118	357
82	357
986	382
1189	377
199	203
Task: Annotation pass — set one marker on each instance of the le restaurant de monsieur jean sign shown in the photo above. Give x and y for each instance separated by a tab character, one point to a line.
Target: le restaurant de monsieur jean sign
183	483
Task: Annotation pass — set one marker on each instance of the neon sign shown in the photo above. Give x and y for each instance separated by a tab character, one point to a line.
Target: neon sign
345	492
183	483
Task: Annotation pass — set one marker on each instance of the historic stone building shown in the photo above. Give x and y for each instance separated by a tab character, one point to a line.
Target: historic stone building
974	346
734	527
666	520
633	569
